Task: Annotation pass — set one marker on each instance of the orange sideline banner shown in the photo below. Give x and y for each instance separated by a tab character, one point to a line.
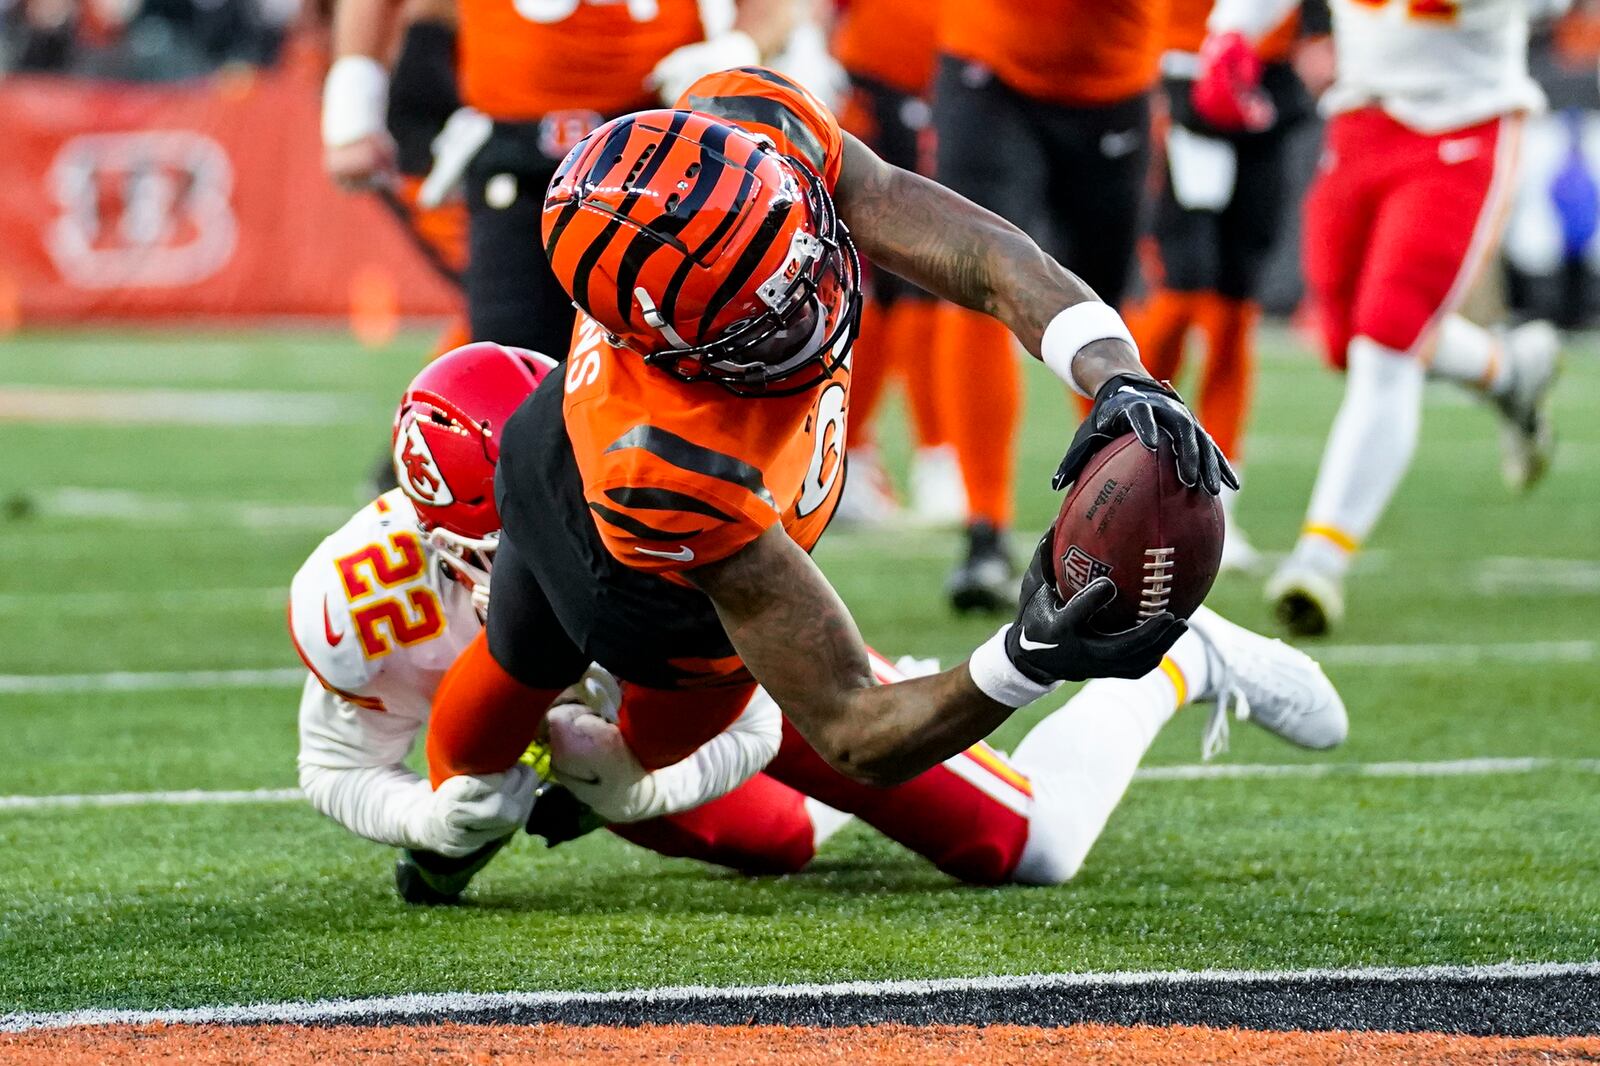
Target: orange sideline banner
129	202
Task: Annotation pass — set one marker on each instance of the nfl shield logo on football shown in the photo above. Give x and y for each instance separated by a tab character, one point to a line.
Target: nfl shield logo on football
1078	568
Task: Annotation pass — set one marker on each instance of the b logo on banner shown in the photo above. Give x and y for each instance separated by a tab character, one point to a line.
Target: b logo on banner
149	209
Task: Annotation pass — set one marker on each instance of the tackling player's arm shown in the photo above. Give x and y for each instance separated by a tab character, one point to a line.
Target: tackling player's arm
950	246
798	640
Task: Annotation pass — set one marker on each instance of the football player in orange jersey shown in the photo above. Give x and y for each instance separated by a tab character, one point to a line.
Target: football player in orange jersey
1223	195
887	49
540	74
1043	116
659	496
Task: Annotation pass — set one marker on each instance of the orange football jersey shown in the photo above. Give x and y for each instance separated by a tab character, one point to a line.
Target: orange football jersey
522	59
891	42
1186	31
678	474
1073	52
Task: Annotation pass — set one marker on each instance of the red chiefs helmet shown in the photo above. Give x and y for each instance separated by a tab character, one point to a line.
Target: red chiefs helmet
695	244
447	441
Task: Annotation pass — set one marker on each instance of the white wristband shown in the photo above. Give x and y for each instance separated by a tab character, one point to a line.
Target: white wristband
355	97
996	677
1074	327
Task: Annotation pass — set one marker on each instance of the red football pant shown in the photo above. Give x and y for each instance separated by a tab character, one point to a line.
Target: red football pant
1399	223
969	815
484	719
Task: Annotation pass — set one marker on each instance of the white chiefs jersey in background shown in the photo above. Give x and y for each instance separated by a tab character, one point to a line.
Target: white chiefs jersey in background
1432	65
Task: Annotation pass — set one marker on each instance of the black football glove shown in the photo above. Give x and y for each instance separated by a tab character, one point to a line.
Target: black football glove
1149	409
1054	641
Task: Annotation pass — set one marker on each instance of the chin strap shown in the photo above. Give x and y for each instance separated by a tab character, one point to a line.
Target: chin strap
456	553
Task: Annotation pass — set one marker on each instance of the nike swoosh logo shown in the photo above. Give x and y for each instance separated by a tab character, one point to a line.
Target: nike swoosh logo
574	779
327	626
1032	645
682	555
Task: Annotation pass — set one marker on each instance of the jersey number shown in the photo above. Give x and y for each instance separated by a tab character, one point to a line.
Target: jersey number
556	10
385	622
827	459
1431	10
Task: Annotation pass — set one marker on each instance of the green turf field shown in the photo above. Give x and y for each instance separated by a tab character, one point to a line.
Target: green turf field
155	547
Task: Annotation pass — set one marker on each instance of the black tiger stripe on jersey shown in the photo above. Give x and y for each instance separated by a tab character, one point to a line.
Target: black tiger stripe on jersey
764	112
769	75
640	529
695	458
647	499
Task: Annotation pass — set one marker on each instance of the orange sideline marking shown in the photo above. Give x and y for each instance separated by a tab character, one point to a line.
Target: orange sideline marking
547	1045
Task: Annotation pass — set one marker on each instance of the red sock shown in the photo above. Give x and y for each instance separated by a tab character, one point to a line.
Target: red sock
938	814
980	406
483	718
761	827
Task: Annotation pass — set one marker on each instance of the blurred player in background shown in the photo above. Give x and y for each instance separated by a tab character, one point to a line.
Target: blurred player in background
389	150
538	75
1042	111
1416	176
887	48
384	605
1223	193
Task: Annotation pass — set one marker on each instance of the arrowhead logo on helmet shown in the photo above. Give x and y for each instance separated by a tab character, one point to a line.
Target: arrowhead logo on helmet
419	472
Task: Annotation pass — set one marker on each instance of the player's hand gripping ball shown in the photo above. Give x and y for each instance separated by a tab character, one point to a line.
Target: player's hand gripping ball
1130	519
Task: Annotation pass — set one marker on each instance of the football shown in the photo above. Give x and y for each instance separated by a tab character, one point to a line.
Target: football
1129	518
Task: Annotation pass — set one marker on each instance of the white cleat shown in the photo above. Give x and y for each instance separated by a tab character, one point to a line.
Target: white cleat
1306	600
867	501
1527	441
938	495
1278	687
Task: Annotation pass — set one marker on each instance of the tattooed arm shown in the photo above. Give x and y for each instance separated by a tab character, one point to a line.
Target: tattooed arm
950	246
798	640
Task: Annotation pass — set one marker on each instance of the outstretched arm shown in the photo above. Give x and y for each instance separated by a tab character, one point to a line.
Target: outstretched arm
799	641
950	246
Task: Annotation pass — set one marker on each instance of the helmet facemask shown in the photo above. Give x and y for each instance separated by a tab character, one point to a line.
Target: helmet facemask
468	560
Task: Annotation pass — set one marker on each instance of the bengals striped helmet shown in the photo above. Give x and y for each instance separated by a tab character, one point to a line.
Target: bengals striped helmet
447	441
699	246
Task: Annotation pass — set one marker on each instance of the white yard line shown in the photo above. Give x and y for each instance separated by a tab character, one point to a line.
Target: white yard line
117	601
432	1005
1185	772
1518	653
177	407
127	681
1440	768
126	505
186	798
